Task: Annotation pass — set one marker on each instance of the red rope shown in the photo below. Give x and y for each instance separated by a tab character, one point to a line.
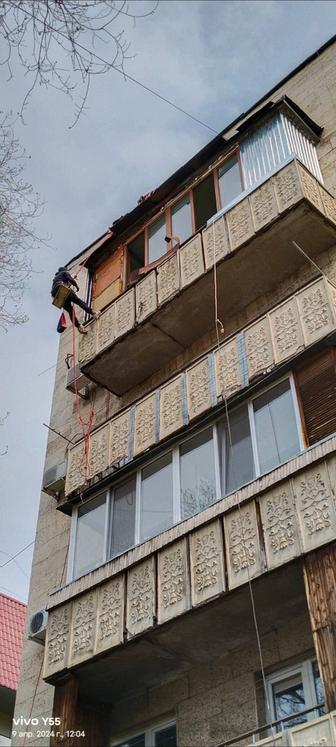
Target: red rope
86	426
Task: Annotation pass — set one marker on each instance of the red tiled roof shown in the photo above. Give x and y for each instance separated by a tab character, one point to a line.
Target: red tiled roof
12	623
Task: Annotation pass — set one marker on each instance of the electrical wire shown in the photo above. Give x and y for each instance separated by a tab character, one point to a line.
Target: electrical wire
10	560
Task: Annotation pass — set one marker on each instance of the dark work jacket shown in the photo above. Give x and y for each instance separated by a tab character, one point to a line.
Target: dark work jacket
62	278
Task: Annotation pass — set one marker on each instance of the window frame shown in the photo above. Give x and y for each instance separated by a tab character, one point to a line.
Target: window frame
220	472
303	668
149	732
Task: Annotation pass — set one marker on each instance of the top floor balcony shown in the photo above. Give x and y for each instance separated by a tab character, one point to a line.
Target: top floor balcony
173	304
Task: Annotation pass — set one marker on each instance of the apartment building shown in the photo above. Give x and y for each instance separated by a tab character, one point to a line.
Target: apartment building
185	546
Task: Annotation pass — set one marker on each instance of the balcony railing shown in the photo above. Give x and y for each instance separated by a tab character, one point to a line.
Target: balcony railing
172	306
305	318
314	731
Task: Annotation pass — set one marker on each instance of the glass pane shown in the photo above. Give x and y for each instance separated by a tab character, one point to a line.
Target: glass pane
204	201
289	698
276	429
157	246
138	741
123	517
319	690
89	552
197	470
238	460
136	252
166	737
229	180
181	219
156	497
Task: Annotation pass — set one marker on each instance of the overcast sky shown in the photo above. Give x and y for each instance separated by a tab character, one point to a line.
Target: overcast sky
214	58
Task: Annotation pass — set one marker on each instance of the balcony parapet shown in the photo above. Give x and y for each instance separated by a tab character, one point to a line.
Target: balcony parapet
284	332
161	310
319	731
105	609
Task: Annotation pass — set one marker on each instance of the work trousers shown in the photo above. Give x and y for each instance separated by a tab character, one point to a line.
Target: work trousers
68	306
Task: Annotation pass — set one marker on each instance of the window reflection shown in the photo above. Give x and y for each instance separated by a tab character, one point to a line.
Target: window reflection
156	497
157	246
197	473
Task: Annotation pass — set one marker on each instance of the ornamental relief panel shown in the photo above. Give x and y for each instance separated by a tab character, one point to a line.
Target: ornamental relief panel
280	526
145	292
173	581
145	424
100	450
329	205
264	205
110	619
87	344
243	548
207	563
286	330
215	234
287	186
168	278
171	410
191	260
83	628
315	506
198	388
57	640
259	350
106	327
315	312
141	597
125	313
240	225
120	430
311	189
75	475
228	378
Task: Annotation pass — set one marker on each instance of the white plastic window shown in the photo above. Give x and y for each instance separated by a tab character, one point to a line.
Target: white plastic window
158	736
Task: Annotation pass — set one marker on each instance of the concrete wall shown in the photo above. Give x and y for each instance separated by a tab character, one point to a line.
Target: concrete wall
313	89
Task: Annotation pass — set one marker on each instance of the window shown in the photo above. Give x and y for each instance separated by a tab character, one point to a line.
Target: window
156	509
89	548
205	205
181	219
160	736
192	475
197	473
294	690
156	239
136	252
275	427
229	179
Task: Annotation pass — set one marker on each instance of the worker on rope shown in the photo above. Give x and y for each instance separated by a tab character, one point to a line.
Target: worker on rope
63	278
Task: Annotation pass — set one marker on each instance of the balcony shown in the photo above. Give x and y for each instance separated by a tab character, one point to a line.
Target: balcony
115	616
317	731
172	306
305	319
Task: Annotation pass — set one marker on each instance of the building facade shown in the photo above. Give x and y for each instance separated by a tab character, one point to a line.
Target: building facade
185	546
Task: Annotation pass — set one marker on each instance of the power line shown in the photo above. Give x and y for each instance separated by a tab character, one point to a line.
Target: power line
16	554
121	72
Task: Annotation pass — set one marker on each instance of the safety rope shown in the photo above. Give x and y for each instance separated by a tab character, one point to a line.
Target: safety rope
85	425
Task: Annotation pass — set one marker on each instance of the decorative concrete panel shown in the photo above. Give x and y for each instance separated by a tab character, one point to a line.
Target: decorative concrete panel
264	205
280	526
287	186
191	260
207	563
83	627
145	293
228	378
240	224
141	597
198	388
173	581
315	506
125	313
106	328
168	278
75	475
312	733
215	242
87	344
259	349
243	553
311	188
171	407
329	205
120	432
145	424
275	740
100	450
57	640
286	330
315	312
110	617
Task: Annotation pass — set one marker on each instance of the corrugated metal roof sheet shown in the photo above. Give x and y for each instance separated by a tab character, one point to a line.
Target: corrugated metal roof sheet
12	624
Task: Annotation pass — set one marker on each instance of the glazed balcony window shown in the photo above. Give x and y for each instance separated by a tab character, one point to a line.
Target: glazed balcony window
293	690
159	736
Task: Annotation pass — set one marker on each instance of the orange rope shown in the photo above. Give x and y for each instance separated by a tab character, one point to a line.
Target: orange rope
86	426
